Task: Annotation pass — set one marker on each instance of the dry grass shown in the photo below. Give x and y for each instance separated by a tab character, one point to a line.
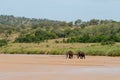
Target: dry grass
51	47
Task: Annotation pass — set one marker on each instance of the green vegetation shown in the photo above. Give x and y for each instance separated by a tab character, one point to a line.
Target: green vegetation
29	30
37	36
33	36
98	33
51	47
3	42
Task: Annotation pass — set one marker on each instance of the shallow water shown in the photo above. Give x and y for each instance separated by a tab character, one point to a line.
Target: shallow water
85	73
34	67
95	70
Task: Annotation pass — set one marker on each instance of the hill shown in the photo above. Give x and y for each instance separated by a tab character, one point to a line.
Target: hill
10	25
21	29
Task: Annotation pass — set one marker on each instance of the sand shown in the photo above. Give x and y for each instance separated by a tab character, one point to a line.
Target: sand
57	67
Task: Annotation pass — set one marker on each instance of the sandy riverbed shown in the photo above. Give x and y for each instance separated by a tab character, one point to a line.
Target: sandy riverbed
54	67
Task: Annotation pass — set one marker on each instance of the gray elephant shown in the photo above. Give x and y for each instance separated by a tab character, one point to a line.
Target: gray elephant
69	55
80	55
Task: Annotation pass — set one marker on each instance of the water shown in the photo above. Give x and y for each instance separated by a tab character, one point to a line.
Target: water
95	70
84	73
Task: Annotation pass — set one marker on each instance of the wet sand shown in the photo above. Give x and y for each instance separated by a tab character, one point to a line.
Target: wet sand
57	67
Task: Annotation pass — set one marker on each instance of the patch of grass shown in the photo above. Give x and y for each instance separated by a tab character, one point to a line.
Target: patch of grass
50	47
114	52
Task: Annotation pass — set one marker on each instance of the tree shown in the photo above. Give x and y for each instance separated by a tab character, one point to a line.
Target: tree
70	24
93	22
78	22
83	25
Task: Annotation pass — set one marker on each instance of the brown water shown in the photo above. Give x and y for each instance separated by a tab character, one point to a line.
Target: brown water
63	73
47	67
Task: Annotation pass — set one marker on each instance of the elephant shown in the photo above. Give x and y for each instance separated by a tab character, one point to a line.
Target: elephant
80	55
69	55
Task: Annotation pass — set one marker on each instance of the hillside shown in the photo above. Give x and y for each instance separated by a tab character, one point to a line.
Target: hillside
40	36
10	25
21	29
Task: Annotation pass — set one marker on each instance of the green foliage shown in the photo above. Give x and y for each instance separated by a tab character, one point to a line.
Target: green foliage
38	30
27	39
3	42
37	36
100	33
94	52
56	52
107	43
94	22
70	24
56	41
25	22
114	53
78	22
95	49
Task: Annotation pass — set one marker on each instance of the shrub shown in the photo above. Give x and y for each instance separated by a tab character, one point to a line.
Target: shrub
56	52
107	43
3	42
96	52
56	41
113	53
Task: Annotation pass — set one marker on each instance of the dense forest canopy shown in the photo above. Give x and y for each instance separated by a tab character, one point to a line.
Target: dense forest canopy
21	29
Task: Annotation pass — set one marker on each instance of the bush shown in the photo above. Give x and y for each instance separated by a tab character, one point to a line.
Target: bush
96	52
56	52
107	43
3	42
56	41
113	53
37	36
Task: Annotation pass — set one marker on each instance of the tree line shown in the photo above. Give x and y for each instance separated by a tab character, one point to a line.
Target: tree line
98	33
